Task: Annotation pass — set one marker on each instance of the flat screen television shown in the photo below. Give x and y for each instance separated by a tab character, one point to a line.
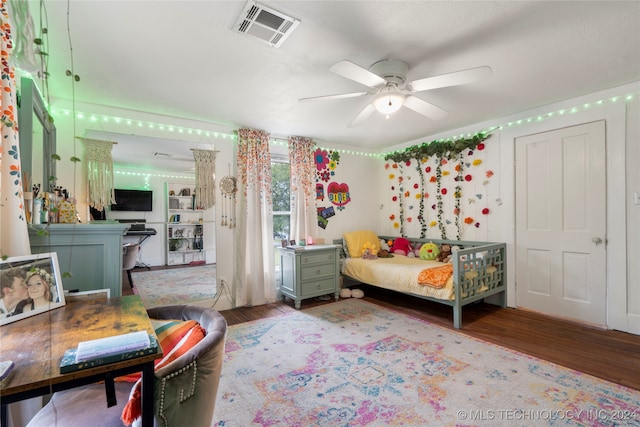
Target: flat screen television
133	200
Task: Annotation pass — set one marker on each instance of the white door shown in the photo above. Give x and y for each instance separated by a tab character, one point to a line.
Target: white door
560	222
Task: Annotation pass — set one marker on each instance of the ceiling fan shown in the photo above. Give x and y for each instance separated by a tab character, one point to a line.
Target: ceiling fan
391	91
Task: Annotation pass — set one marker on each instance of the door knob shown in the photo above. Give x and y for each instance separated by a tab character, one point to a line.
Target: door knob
596	240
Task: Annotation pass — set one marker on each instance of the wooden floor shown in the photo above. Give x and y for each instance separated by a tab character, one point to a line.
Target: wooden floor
607	354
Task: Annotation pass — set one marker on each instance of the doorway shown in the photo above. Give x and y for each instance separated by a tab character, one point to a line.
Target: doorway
561	222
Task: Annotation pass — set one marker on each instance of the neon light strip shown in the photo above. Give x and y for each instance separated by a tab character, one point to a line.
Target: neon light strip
233	137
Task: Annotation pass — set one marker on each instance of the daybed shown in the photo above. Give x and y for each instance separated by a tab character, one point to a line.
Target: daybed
479	271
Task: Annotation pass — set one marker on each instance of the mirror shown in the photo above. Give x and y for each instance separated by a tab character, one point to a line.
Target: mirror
37	138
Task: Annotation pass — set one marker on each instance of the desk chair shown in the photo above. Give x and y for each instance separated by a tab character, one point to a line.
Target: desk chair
130	253
185	389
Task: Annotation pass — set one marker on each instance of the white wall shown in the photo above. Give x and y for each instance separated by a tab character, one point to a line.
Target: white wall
631	322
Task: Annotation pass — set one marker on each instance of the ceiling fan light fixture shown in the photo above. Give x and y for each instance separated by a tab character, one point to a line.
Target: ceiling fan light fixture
389	102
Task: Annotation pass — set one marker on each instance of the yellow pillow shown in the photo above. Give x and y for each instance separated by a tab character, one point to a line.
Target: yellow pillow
355	241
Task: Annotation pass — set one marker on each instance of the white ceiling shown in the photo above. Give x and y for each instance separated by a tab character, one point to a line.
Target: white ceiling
184	59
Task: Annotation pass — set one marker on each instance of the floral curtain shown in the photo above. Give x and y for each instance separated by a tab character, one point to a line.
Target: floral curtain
303	209
99	170
14	238
205	178
254	270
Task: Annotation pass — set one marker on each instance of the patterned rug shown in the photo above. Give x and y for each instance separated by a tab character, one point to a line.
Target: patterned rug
353	363
176	285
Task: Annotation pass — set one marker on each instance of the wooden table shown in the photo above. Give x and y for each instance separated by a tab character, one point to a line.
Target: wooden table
36	345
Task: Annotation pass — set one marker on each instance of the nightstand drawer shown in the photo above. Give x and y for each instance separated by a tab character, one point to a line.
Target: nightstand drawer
312	272
324	257
318	287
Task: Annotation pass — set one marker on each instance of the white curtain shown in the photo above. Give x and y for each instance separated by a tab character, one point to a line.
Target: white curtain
254	269
99	170
304	217
14	238
205	178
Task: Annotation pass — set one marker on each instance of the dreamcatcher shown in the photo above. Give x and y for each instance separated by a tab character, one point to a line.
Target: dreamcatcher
228	188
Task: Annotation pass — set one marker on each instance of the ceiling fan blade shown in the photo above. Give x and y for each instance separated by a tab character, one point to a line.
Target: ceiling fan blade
364	115
338	96
355	72
424	108
451	79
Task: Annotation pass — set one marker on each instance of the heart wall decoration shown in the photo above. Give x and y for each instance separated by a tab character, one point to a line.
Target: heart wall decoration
338	194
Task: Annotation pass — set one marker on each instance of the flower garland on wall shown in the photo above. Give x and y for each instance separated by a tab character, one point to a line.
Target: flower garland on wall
433	166
421	196
439	193
457	195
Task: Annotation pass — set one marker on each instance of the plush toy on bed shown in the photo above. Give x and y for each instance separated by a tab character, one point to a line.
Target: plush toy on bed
445	253
384	250
402	246
429	251
368	251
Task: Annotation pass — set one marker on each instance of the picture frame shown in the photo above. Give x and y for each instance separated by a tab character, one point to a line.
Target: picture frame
30	285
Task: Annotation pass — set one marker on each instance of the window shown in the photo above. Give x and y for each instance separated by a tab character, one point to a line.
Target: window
280	182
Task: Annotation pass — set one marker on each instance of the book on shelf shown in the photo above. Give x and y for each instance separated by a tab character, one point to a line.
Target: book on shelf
70	363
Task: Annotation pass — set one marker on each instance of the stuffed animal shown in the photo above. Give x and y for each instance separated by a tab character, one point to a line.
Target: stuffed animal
368	251
401	246
429	251
382	253
384	245
445	253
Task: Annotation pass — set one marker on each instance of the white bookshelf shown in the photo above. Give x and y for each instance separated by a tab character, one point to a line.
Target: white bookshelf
185	228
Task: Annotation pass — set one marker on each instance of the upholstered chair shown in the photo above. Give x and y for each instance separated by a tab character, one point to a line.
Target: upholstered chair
185	389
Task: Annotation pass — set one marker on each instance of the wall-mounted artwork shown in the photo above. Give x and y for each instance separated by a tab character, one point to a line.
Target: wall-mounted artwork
319	191
338	194
323	216
326	163
31	285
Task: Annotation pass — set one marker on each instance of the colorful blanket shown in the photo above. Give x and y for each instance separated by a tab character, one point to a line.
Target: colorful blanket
436	277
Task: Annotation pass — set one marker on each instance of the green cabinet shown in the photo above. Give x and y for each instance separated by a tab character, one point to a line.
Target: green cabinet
309	271
91	253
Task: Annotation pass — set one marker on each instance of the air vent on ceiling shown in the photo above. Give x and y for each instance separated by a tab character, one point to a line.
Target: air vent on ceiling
268	25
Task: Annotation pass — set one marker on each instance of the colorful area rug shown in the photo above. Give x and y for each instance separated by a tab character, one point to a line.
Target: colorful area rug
175	286
353	363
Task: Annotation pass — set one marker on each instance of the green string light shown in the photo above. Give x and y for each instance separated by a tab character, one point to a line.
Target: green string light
457	141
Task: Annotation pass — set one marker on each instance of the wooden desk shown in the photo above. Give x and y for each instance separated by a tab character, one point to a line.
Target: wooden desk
36	345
